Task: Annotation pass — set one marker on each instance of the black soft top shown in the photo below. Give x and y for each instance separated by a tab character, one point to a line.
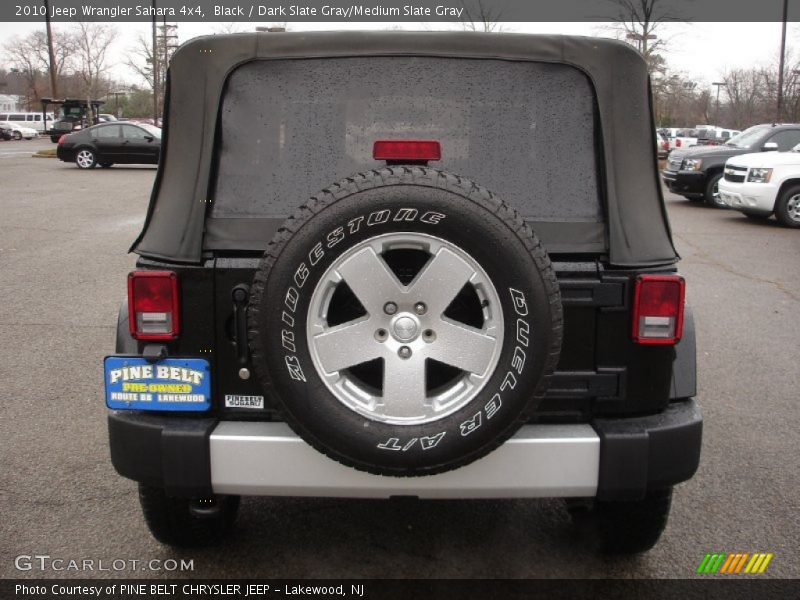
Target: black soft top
638	230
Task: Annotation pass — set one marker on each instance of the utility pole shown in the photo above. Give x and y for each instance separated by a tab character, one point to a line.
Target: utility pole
50	52
719	84
779	108
155	65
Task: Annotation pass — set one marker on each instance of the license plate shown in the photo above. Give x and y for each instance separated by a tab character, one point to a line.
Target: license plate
170	384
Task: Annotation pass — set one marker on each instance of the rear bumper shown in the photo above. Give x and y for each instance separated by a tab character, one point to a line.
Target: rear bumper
609	459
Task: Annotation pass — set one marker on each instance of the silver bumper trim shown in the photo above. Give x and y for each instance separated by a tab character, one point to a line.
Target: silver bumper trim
269	459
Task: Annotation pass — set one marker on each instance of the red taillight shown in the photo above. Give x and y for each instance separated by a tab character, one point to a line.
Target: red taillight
658	309
407	150
665	145
61	139
153	305
678	143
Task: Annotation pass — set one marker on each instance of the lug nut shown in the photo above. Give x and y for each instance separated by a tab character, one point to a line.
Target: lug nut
404	352
420	308
428	335
390	308
381	335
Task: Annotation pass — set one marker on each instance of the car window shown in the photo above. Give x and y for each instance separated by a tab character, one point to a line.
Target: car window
106	132
269	158
17	118
786	139
131	132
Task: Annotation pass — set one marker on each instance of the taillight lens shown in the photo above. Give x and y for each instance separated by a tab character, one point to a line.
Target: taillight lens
153	305
678	143
414	150
658	309
61	139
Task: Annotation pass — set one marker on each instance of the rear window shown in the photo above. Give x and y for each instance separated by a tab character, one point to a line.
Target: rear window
525	130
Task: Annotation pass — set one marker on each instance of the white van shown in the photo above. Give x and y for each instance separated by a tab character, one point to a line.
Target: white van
28	119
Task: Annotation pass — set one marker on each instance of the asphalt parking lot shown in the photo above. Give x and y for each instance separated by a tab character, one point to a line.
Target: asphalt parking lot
64	235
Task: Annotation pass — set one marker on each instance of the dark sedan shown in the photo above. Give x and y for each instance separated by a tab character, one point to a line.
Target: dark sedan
110	143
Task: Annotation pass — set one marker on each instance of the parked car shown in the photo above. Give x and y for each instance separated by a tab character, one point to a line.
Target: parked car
6	133
694	173
662	144
32	120
109	143
318	310
762	184
684	138
18	132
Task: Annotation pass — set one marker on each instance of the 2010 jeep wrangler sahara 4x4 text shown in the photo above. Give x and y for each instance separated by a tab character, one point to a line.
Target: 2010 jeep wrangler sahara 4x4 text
481	301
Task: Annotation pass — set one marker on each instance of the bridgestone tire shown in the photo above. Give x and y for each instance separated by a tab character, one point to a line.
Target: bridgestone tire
419	203
171	522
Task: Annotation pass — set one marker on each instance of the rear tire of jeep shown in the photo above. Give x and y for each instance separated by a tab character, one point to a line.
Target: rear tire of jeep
625	527
787	208
171	522
406	321
711	195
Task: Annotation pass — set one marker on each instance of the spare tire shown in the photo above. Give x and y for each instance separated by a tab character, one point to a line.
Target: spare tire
406	321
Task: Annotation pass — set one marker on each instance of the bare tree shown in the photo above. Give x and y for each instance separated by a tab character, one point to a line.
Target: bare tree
92	42
140	59
29	58
745	91
25	62
638	23
480	15
224	28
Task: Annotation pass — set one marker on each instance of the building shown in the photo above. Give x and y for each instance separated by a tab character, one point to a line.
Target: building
8	103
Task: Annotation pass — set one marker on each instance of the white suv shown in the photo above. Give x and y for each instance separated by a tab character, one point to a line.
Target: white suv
764	183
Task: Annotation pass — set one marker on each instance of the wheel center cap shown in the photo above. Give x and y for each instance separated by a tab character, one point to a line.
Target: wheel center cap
405	328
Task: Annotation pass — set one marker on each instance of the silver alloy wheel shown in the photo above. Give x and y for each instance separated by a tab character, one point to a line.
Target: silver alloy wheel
84	159
405	337
793	208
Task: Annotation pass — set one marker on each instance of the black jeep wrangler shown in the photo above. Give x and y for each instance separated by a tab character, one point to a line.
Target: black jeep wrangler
405	264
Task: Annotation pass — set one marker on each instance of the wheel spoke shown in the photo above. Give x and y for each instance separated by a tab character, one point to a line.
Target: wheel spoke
371	280
346	346
404	387
463	347
441	280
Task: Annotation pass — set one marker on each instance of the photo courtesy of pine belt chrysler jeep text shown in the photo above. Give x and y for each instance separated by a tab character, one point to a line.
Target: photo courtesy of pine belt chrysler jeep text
382	264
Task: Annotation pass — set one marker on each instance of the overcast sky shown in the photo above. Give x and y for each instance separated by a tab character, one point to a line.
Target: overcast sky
700	50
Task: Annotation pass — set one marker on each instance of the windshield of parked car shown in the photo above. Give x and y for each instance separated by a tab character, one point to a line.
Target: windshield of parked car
747	138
